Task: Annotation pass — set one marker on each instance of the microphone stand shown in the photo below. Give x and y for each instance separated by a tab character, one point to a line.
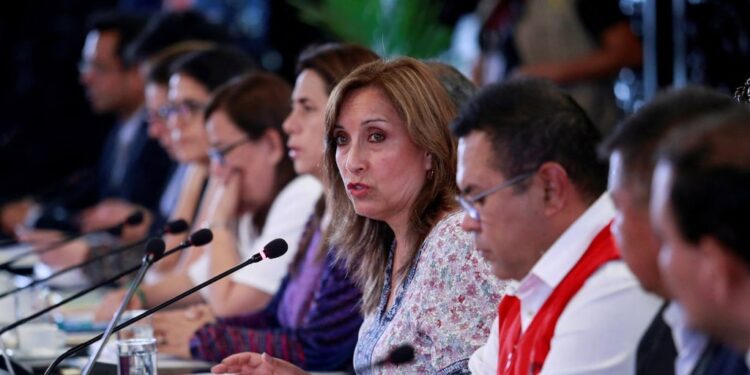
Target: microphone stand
72	268
6	358
148	260
133	219
80	293
79	347
174	227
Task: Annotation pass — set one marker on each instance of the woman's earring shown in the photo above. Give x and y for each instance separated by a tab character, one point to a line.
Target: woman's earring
430	174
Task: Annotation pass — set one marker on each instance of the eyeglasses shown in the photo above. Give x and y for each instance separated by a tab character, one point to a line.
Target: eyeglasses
160	114
218	155
468	203
186	110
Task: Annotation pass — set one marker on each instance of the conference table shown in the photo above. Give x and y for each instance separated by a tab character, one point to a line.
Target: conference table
73	319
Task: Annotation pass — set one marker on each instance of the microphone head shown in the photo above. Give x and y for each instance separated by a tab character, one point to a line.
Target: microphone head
402	354
177	226
275	248
135	218
201	237
155	248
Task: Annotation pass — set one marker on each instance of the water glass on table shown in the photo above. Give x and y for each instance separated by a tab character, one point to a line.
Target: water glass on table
136	346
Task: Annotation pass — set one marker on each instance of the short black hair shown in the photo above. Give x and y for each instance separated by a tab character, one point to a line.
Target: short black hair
127	26
530	122
160	65
637	137
710	162
166	29
213	67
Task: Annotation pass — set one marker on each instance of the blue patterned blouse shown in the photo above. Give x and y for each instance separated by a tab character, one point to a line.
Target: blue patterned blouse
444	308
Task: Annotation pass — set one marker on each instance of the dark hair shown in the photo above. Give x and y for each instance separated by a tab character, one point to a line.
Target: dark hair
334	61
530	122
637	138
460	88
127	26
159	66
215	66
257	103
166	29
710	163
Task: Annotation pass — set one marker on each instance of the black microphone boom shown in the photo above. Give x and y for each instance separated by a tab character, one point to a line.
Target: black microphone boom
134	219
193	240
273	249
177	226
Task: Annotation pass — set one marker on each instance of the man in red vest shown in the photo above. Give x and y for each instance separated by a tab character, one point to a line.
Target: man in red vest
534	194
699	207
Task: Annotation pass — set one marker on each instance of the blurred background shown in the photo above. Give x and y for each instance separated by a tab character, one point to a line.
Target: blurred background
48	132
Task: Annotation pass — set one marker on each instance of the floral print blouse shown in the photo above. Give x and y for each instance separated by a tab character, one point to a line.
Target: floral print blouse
444	308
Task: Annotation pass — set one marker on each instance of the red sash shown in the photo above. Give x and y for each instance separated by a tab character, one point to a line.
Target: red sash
525	354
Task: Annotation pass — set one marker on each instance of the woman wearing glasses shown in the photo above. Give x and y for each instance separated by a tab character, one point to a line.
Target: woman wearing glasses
390	160
253	195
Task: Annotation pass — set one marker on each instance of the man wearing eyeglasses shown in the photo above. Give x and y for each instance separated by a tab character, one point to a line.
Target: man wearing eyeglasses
533	191
132	170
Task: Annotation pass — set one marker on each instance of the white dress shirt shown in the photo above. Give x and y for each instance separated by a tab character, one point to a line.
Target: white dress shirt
286	219
690	344
598	331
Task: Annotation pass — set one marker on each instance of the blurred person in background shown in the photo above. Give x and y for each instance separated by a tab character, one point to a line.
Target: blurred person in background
668	346
699	212
253	195
579	45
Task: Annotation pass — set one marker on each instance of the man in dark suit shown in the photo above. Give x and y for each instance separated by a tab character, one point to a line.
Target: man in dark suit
133	168
699	210
630	150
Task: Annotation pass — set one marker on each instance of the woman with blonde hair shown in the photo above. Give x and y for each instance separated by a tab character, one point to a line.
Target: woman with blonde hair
390	161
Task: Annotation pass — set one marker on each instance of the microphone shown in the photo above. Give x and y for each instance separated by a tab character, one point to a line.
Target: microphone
273	249
134	219
198	238
397	356
177	226
154	252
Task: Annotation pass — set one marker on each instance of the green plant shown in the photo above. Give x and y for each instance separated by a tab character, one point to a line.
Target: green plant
389	27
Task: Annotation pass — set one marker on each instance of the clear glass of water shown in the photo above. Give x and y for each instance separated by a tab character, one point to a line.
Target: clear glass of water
136	356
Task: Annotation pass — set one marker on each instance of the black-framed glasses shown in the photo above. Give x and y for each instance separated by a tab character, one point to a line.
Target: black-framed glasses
468	203
218	154
186	110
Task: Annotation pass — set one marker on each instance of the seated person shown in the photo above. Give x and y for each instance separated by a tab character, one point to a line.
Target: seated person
699	212
390	160
534	194
667	346
254	196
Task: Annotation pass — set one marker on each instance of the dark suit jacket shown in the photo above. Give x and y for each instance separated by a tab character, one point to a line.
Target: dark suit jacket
147	169
718	359
656	350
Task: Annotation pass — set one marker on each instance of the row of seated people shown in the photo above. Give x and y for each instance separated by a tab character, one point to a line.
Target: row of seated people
409	221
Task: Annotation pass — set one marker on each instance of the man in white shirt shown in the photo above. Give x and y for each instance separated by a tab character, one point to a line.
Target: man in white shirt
668	346
699	209
533	191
